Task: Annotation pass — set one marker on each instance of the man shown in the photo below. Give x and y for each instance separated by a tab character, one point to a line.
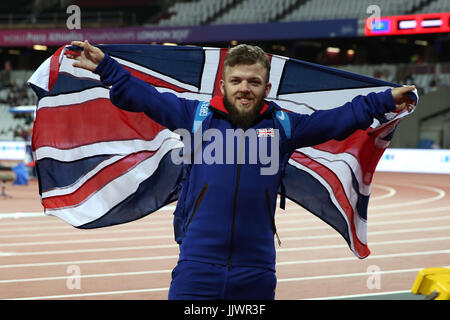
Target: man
225	211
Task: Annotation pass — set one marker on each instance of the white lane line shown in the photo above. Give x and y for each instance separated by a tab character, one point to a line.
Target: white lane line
169	246
55	252
352	258
165	271
440	195
53	220
115	239
162	218
280	219
381	243
7	254
381	256
38	243
361	295
371	224
67	227
407	213
19	215
345	275
365	274
88	276
150	229
390	192
92	294
387	232
59	263
280	216
84	233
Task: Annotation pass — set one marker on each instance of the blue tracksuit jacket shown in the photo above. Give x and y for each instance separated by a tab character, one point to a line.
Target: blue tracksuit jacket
230	207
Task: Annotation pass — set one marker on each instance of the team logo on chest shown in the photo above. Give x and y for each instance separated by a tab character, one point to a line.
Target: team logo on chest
267	132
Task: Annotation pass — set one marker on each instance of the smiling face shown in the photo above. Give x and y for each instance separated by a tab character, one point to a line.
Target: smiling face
245	86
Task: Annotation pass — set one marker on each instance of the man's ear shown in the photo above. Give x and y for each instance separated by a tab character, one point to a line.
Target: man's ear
268	87
222	86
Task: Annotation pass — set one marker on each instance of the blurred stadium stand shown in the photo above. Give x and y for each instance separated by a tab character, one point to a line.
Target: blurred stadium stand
52	13
260	11
423	59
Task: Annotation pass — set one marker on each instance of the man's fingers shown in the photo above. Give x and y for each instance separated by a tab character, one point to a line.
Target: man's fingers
406	89
77	43
400	94
84	44
71	56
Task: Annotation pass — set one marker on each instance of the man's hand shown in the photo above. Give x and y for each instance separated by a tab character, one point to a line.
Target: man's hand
89	58
401	98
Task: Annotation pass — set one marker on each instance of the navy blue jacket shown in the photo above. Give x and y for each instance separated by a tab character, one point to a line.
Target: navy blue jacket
230	207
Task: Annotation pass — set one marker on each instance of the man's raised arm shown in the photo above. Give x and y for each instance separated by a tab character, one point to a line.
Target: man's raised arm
132	94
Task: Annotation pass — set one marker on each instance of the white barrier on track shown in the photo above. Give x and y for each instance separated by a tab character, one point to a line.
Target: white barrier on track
415	161
12	150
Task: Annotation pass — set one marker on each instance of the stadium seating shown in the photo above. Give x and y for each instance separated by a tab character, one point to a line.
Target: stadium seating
427	77
437	6
14	93
262	11
254	11
193	13
330	9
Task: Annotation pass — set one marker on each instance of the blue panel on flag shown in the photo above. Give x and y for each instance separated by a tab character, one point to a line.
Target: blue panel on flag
152	194
66	83
57	174
186	63
301	76
308	192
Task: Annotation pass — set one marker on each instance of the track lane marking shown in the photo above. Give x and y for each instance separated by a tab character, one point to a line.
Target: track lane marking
169	257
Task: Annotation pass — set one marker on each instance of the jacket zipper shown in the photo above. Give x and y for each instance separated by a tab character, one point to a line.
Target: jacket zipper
197	204
272	217
236	192
230	253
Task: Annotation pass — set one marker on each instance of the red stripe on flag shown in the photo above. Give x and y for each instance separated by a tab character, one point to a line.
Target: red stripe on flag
54	68
154	81
217	92
339	193
93	121
97	182
361	144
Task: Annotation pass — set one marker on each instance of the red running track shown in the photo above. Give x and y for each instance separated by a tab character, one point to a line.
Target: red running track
408	230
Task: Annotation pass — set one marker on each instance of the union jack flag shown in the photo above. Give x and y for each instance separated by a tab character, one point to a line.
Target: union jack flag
99	165
268	132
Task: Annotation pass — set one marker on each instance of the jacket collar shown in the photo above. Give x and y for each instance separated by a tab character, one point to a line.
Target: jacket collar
216	104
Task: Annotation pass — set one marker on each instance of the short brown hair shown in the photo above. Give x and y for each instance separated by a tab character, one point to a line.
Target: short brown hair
246	54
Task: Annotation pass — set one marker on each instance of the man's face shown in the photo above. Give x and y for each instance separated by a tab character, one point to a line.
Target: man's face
245	87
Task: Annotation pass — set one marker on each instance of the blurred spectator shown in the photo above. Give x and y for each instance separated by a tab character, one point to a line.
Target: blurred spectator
17	95
435	82
409	79
416	58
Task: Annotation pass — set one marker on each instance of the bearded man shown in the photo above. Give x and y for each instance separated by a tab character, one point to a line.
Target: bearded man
226	210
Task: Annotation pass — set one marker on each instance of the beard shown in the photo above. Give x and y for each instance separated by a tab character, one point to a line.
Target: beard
243	119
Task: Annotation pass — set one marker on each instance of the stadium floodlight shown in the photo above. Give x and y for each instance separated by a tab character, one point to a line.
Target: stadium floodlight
40	47
333	50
